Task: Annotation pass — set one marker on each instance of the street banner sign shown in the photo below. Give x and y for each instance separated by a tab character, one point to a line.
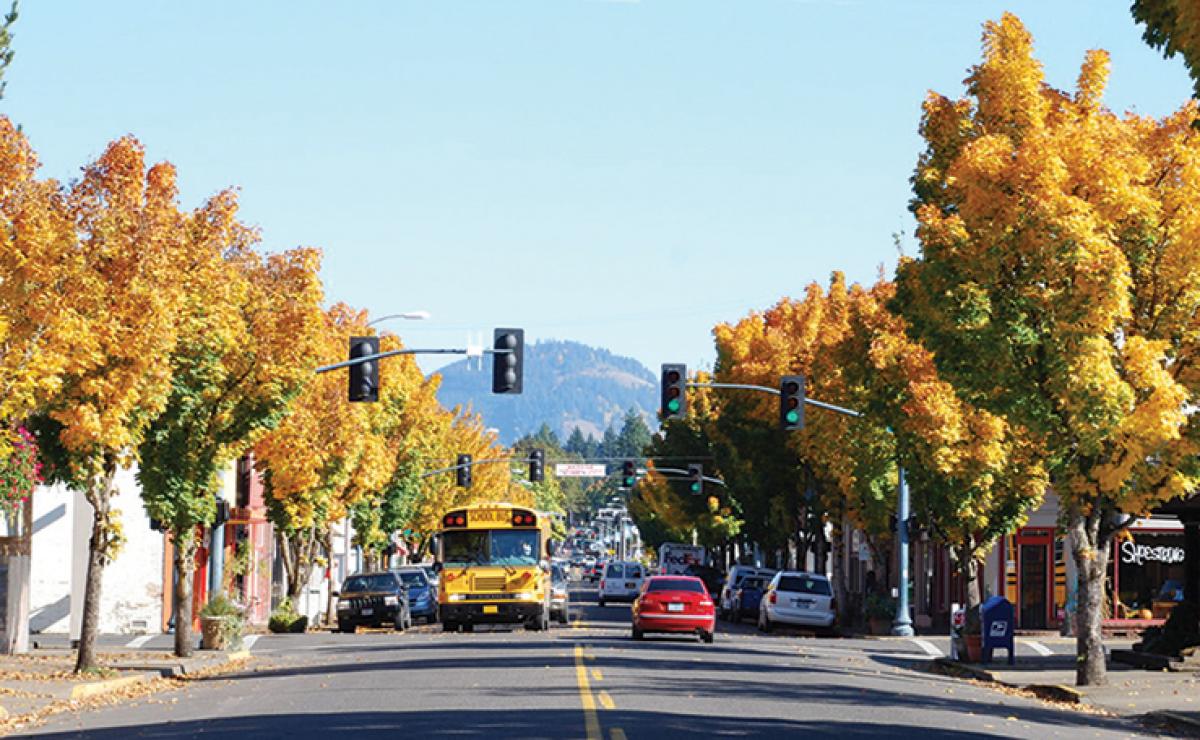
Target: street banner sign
579	470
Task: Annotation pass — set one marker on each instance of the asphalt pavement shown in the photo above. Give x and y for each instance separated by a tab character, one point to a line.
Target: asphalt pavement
585	680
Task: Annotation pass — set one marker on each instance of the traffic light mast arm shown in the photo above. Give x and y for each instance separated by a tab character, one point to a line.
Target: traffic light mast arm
394	352
775	391
467	465
678	471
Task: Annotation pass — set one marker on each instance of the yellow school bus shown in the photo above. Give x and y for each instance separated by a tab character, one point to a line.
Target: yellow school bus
494	563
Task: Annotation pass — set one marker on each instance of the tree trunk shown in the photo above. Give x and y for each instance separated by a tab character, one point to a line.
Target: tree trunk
99	495
1090	549
330	601
185	566
838	575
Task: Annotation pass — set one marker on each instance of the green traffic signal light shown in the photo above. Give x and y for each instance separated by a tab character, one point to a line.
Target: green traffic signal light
673	405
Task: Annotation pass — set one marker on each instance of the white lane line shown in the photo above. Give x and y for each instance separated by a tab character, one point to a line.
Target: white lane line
1038	647
930	649
137	642
249	640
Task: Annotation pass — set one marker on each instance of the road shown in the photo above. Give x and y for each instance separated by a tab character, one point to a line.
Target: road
587	680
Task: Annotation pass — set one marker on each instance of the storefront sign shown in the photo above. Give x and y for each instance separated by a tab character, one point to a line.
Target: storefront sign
1131	552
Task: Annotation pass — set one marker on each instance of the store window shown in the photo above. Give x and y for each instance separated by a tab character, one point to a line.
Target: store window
1150	572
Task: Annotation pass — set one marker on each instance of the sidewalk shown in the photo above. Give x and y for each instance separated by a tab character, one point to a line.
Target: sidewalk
36	682
1131	692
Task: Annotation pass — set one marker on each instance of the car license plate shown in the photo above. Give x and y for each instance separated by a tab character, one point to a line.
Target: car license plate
630	584
674	607
803	604
492	609
367	612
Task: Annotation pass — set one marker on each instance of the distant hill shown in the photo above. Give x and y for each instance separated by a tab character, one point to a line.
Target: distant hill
567	385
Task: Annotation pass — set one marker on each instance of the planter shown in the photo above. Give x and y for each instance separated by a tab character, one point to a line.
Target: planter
880	625
974	647
220	633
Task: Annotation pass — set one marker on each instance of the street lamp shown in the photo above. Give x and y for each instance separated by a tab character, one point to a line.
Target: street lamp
410	315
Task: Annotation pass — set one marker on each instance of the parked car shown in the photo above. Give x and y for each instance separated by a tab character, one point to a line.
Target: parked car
560	599
422	595
798	599
432	574
733	581
374	600
621	581
679	604
748	597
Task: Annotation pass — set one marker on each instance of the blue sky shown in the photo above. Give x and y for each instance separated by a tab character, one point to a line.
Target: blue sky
623	173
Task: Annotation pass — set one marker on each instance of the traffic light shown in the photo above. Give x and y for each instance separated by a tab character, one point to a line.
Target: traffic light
507	367
791	402
364	377
222	515
462	473
537	465
674	392
628	474
695	479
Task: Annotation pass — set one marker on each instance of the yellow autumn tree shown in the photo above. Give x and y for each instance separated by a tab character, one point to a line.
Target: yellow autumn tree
123	293
39	252
309	461
1058	285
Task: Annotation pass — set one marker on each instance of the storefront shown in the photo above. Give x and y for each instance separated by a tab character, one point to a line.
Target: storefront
1147	571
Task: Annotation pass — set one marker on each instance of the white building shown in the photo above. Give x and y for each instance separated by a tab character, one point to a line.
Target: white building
131	596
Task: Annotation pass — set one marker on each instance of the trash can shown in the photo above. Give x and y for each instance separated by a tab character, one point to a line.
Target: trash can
997	616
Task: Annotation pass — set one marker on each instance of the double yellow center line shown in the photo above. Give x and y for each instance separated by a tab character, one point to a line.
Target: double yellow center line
591	720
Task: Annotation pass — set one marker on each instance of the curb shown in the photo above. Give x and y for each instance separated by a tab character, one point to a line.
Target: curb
99	688
1053	692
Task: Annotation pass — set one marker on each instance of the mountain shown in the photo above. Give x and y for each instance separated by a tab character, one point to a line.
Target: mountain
566	385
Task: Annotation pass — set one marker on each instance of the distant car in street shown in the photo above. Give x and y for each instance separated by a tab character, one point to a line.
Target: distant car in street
422	595
797	599
373	600
430	573
622	581
560	599
747	597
733	581
674	604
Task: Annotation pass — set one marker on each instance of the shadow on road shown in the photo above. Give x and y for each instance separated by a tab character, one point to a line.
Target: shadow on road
503	724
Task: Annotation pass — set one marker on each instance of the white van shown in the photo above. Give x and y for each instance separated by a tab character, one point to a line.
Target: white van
621	581
799	600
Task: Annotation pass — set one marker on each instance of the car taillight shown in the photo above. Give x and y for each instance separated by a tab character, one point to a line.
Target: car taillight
602	584
771	598
706	603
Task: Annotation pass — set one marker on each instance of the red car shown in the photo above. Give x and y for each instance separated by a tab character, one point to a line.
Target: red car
674	604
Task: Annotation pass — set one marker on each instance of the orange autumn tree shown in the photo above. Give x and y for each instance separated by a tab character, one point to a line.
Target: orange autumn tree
1058	287
123	292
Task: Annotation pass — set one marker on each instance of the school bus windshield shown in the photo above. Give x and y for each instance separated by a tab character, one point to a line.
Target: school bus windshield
490	547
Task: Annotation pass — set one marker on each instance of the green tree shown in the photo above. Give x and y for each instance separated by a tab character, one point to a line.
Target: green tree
245	350
1172	27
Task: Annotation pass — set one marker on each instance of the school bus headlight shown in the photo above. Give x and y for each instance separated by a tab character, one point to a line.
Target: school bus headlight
526	596
458	597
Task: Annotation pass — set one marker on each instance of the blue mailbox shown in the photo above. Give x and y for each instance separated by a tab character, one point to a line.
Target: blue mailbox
997	616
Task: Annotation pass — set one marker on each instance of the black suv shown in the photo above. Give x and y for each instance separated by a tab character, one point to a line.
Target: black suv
374	600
